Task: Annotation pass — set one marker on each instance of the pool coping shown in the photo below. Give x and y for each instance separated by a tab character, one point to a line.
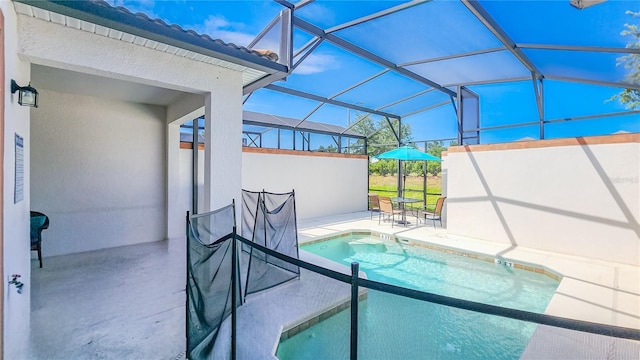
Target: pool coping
301	325
591	290
323	315
508	262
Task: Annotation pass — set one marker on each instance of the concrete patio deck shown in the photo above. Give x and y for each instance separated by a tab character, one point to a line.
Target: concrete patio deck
120	303
128	302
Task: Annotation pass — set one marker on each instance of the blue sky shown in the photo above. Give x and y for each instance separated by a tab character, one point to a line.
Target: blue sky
428	31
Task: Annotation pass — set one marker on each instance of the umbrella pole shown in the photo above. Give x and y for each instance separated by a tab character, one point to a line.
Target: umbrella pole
404	178
404	182
424	185
399	178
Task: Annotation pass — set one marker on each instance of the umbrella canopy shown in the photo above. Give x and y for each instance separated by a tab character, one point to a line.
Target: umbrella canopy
407	153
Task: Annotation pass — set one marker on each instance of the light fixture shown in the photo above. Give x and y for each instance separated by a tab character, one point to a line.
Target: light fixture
27	95
581	4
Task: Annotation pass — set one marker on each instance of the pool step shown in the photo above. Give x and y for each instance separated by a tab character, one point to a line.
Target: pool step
304	325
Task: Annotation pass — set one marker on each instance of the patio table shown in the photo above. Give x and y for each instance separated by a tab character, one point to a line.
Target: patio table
402	201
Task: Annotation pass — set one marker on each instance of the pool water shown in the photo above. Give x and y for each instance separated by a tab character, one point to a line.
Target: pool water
393	327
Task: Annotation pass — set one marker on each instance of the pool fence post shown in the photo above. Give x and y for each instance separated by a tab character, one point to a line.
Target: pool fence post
355	269
234	289
186	287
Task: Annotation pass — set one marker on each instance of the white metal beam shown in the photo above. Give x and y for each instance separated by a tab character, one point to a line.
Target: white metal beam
580	48
285	3
595	82
302	3
376	15
374	76
430	107
493	81
406	98
306	117
315	42
312	29
260	83
486	19
598	116
539	94
264	31
454	56
356	123
327	100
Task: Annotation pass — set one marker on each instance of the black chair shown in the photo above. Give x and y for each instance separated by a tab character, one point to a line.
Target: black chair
39	222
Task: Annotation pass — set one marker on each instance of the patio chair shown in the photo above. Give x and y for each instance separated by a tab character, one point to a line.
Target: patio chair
39	222
437	212
386	208
374	204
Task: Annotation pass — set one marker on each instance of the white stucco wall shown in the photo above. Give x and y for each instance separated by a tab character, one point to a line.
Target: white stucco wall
16	258
574	199
219	179
98	172
323	185
223	146
184	196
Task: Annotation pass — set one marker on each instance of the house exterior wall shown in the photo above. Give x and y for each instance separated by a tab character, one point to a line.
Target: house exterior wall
33	41
324	184
16	259
98	169
85	52
577	196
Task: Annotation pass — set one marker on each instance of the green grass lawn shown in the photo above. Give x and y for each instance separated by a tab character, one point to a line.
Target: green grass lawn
387	186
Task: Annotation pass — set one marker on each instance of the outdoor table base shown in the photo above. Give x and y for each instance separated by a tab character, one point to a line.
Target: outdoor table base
402	202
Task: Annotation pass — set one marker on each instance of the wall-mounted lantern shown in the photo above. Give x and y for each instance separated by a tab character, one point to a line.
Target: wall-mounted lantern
27	95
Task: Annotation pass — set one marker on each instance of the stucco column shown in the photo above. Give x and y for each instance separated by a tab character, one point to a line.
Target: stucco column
175	217
223	146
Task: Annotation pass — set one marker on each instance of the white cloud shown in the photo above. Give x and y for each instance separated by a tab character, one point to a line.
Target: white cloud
320	14
145	6
218	27
316	63
214	23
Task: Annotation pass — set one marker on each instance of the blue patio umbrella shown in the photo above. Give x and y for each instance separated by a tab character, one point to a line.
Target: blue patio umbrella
407	153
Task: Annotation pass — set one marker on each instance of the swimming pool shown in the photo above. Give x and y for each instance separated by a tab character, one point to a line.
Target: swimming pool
393	327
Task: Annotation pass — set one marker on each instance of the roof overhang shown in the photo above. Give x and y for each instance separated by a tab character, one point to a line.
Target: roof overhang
103	19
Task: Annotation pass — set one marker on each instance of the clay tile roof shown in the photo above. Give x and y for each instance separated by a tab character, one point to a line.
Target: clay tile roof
267	54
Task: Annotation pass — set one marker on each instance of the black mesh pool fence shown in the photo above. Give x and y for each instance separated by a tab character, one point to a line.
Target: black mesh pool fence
518	323
271	222
209	278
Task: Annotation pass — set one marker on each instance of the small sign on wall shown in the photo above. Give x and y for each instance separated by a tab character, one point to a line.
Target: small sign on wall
18	193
